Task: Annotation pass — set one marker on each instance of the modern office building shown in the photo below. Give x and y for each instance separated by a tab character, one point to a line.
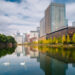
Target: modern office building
42	27
19	38
48	20
38	30
73	24
34	36
55	17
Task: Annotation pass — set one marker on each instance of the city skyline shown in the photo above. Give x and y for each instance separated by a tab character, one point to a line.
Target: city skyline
17	15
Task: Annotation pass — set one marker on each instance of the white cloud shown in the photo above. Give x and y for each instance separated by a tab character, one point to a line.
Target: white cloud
70	12
25	16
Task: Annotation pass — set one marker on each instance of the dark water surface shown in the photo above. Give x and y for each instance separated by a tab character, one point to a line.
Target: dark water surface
38	61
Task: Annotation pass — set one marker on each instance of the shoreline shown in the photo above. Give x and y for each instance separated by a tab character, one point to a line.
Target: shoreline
51	45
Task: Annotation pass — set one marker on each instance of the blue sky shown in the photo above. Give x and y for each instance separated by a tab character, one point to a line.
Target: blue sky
25	15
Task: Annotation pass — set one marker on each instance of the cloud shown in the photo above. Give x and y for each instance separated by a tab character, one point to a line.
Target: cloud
26	15
70	12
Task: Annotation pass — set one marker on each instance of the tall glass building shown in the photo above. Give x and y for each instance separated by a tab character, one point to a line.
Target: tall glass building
58	17
55	17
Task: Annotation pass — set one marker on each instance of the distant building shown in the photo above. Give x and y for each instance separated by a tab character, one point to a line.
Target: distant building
27	37
38	30
73	24
55	17
34	36
19	38
42	27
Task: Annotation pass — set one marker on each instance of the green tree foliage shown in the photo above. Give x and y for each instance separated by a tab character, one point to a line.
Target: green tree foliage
73	38
3	38
68	39
59	40
50	41
11	39
6	39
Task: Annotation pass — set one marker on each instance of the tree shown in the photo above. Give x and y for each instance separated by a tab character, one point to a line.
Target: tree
3	38
11	39
59	40
54	40
68	39
73	38
64	39
50	41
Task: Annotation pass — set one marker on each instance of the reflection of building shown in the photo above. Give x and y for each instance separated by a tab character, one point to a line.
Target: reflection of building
19	38
52	66
34	54
20	51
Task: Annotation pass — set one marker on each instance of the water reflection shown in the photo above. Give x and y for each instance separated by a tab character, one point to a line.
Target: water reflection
57	61
38	61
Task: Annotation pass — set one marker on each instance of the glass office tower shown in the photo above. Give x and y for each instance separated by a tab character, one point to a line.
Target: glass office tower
58	16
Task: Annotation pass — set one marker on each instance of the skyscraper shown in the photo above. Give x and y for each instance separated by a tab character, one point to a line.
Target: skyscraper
73	24
42	27
55	17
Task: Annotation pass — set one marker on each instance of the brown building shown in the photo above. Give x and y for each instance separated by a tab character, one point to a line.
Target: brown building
66	31
47	20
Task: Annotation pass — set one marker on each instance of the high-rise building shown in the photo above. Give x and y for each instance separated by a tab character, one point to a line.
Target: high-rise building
48	20
38	30
42	27
55	17
73	24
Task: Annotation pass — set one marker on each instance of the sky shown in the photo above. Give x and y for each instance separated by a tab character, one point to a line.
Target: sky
25	15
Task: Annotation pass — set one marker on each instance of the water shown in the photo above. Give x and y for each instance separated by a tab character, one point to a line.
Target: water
31	61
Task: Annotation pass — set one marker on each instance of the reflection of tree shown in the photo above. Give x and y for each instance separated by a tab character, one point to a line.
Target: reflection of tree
6	51
63	54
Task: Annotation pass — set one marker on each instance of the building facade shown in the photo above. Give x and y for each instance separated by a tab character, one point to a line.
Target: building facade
42	27
48	20
34	36
65	31
73	24
19	38
55	17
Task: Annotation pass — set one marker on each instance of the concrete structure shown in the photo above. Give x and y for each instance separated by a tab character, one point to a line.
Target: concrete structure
42	27
18	38
38	30
73	24
27	37
55	17
34	36
68	30
47	20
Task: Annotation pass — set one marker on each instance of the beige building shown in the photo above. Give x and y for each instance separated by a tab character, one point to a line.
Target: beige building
42	27
47	20
55	17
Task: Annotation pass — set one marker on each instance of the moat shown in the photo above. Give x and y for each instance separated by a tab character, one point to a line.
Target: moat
26	60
